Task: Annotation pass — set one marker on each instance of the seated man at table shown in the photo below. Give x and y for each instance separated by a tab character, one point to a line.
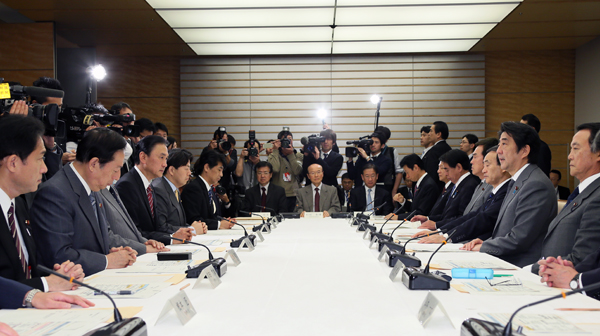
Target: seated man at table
561	273
345	191
317	197
479	223
442	199
16	295
369	195
265	196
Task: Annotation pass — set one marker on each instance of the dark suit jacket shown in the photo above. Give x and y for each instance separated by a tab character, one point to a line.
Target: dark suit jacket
382	162
424	198
590	272
196	204
134	197
563	192
358	200
275	199
431	160
440	203
331	167
10	264
545	158
13	293
65	226
458	200
479	223
170	215
53	162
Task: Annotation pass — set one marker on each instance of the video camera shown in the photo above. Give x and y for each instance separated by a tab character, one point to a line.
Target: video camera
311	143
364	142
48	114
252	141
78	119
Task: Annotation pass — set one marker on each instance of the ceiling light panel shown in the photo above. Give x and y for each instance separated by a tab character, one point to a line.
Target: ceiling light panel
283	17
255	34
402	46
422	14
415	32
341	3
160	4
261	48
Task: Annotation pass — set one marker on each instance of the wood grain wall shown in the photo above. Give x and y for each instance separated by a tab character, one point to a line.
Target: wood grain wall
538	82
26	51
149	84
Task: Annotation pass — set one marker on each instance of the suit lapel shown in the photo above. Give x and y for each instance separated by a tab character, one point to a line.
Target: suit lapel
567	210
138	179
23	219
174	202
323	196
309	198
9	244
115	204
512	193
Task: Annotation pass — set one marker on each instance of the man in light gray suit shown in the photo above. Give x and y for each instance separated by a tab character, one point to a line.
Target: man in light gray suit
529	205
575	233
67	216
317	197
483	190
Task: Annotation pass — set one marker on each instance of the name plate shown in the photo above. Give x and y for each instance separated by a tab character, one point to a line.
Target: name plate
212	276
246	242
234	257
374	240
264	215
313	215
383	252
428	307
182	305
259	234
399	267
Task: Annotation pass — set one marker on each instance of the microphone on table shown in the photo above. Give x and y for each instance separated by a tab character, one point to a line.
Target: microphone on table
238	242
365	223
258	227
477	327
384	237
220	264
126	327
413	278
277	216
390	242
361	215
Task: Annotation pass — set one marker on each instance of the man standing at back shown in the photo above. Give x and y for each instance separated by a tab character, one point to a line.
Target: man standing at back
544	160
431	159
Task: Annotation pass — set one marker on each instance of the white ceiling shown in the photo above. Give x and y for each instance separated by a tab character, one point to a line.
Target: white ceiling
278	27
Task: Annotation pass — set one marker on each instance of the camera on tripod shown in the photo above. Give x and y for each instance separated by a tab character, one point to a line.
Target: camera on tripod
252	141
364	142
311	143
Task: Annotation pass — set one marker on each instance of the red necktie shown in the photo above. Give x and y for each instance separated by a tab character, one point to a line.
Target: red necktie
13	231
263	199
317	199
150	200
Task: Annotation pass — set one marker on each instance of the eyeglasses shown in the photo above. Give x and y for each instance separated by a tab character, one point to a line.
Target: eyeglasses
263	173
510	282
315	173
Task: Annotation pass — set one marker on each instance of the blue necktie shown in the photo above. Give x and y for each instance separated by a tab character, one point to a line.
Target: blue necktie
572	196
93	201
325	156
488	202
369	200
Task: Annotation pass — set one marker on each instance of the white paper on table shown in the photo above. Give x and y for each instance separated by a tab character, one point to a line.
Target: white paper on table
140	290
171	266
539	323
64	322
493	264
112	279
432	247
481	286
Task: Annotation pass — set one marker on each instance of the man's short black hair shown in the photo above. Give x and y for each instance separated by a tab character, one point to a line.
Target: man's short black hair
247	143
328	134
145	124
146	145
557	172
119	106
231	140
171	140
346	176
19	135
411	160
471	138
262	164
425	129
284	134
593	128
178	157
487	143
441	127
47	83
217	134
101	143
523	135
492	149
160	126
455	156
210	157
385	131
369	165
532	121
379	136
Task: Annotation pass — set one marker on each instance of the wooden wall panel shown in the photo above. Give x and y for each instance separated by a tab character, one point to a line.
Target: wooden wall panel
149	84
26	51
538	82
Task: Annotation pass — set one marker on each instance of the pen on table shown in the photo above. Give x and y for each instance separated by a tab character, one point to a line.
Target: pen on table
502	275
184	287
578	309
121	292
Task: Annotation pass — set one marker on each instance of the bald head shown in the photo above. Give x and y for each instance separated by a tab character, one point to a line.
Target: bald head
315	173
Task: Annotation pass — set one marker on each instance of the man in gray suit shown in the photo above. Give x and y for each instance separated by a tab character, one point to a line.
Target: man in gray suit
575	233
529	205
483	190
317	197
67	216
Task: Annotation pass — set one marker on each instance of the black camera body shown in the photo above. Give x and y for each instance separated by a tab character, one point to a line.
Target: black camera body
224	144
252	142
364	143
286	143
220	190
312	142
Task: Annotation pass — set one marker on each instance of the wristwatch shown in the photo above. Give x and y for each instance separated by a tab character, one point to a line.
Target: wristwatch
574	284
29	297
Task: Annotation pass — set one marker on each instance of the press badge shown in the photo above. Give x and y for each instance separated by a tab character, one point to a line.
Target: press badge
287	177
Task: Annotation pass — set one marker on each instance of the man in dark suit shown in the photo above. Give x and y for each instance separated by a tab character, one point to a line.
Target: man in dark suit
456	163
562	193
479	223
15	295
574	233
330	161
425	191
483	190
21	168
544	161
199	199
345	191
139	196
370	195
530	204
265	194
440	203
382	162
170	215
437	136
67	216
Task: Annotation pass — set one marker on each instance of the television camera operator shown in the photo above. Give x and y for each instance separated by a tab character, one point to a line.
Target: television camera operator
382	162
325	156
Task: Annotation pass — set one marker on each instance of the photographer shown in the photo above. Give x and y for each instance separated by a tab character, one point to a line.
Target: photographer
394	176
161	130
286	166
382	162
246	165
124	108
222	144
330	161
146	127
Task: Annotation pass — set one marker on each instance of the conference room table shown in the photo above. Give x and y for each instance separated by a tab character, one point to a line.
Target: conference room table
320	277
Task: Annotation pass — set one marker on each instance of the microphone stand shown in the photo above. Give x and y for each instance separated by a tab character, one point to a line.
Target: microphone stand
220	264
238	242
